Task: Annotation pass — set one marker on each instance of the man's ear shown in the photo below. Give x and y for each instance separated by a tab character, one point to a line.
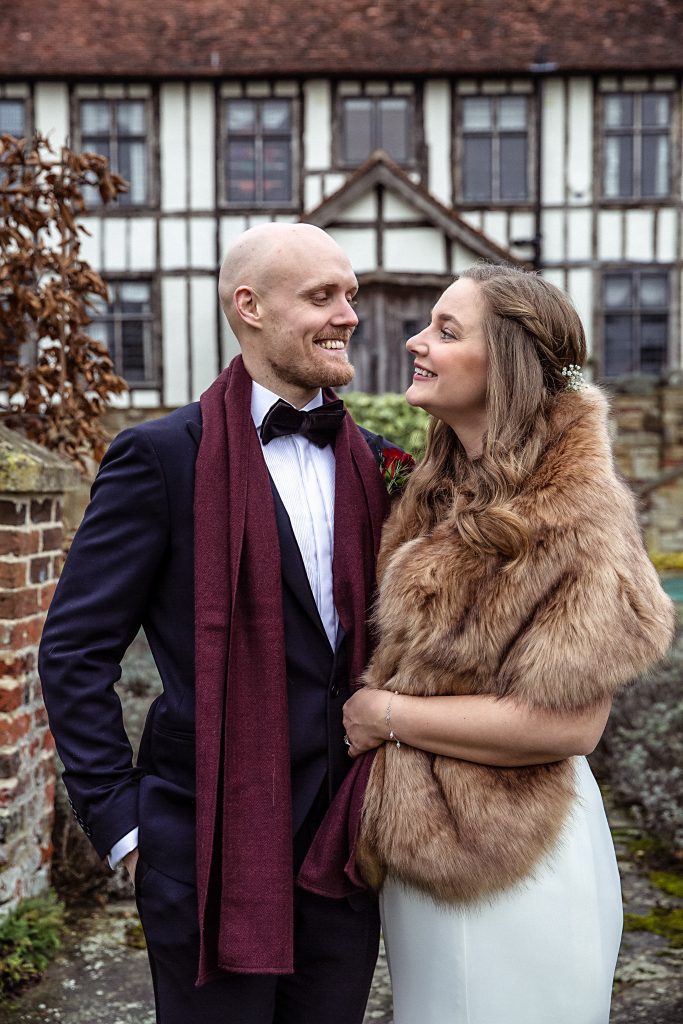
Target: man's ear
248	306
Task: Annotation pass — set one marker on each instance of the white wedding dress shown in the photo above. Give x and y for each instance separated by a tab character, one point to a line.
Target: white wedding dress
541	953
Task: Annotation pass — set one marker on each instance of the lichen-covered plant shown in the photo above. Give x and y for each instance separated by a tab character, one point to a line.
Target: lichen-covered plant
54	378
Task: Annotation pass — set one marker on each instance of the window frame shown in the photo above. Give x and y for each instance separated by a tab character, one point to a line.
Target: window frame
117	207
279	205
495	200
153	371
635	311
24	101
637	135
412	162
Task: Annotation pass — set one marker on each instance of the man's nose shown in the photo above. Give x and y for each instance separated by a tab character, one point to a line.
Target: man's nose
346	314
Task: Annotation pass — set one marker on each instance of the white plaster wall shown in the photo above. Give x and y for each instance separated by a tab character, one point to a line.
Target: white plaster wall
639	235
437	124
175	342
552	230
359	244
91	244
420	250
114	244
364	208
203	243
202	147
173	146
230	230
553	156
610	235
51	101
396	208
142	243
462	257
666	236
313	191
580	288
203	325
145	398
173	244
580	154
317	125
495	225
579	234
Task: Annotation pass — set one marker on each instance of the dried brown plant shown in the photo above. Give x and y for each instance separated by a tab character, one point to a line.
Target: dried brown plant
54	378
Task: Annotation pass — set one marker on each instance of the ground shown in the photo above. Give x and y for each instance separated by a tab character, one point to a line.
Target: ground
99	977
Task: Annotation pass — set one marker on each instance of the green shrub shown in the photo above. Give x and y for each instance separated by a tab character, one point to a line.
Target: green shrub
390	416
29	936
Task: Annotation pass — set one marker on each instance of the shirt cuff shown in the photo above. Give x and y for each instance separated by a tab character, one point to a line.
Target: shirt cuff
123	847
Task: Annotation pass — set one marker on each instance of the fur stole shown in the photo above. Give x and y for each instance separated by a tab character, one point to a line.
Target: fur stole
580	618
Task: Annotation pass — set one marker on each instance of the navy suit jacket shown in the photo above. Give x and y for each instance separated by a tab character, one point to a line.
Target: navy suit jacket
131	564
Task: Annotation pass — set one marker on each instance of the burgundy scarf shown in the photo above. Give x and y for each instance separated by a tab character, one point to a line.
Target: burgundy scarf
244	820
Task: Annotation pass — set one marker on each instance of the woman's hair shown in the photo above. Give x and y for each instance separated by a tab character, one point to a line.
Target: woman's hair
532	331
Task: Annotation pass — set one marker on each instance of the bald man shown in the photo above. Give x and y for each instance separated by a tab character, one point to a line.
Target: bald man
240	532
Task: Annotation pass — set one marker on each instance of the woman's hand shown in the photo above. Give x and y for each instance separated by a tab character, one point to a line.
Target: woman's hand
364	719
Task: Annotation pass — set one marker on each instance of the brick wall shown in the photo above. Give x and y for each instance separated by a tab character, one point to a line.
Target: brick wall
648	428
32	484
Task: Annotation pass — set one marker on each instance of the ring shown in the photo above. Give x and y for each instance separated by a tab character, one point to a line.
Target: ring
347	741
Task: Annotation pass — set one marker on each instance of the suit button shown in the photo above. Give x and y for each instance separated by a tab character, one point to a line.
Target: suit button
334	690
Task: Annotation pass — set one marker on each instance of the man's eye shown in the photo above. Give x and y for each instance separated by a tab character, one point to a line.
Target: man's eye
320	298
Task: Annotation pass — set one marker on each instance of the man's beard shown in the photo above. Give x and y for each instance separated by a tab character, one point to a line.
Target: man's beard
328	375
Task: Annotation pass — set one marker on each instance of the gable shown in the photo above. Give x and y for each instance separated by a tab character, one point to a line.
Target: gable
389	225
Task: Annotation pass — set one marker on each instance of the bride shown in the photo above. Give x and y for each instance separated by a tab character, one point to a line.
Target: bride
515	598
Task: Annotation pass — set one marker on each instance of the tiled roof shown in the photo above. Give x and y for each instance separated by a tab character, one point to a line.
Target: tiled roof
219	38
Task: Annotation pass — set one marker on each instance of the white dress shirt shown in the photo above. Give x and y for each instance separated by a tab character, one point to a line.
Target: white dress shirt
304	477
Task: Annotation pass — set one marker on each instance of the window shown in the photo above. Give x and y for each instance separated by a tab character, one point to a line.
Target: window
258	152
636	322
637	145
125	326
495	148
13	118
376	122
117	129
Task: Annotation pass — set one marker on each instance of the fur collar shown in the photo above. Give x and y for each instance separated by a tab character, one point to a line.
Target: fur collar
581	617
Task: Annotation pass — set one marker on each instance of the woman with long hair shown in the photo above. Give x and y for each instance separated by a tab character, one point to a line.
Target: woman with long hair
515	598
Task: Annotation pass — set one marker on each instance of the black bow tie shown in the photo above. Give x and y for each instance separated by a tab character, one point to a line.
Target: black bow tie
318	425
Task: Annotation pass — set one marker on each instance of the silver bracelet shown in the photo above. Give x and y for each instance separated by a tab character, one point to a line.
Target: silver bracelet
387	721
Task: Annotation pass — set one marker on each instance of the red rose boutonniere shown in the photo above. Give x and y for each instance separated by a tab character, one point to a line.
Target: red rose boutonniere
395	466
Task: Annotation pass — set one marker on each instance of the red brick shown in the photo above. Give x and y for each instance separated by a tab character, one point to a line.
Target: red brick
41	511
13	513
11	696
10	763
48	742
40	715
46	594
58	511
52	538
24	634
18	604
13	574
8	794
14	727
46	853
39	569
15	665
19	542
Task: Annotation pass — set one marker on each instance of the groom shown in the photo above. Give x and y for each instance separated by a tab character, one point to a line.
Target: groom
241	534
